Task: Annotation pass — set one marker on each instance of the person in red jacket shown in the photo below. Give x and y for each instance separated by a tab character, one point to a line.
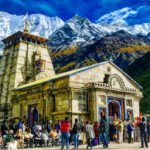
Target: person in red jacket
65	128
96	130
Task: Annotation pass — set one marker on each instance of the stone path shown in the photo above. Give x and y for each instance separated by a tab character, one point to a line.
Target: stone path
112	146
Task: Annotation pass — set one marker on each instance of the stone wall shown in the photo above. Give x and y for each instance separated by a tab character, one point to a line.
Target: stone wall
98	74
17	68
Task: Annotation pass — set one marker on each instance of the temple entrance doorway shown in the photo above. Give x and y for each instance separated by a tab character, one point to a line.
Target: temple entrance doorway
115	109
33	114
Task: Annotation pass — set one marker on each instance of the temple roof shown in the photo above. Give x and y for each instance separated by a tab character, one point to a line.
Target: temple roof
24	36
70	73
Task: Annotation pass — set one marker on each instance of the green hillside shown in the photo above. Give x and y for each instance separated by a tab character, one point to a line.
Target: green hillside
140	71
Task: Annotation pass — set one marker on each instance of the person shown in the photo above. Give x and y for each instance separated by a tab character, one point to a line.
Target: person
48	126
75	131
23	127
120	129
96	130
57	126
89	134
104	131
111	126
65	128
28	137
19	125
38	137
20	138
133	132
82	136
136	130
35	114
12	126
125	132
143	133
129	130
4	128
34	128
114	131
44	137
9	139
54	136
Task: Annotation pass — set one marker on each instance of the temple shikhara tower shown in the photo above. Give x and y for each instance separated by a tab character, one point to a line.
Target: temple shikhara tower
25	59
30	89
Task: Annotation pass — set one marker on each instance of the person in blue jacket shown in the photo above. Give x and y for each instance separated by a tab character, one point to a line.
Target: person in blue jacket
129	130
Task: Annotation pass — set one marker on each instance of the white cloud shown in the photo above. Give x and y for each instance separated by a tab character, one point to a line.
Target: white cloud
118	16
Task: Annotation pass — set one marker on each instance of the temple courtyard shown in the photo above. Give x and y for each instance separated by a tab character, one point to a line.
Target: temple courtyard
112	146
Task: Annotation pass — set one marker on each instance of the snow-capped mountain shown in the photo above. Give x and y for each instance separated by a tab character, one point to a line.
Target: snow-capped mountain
79	42
118	20
142	29
38	24
76	29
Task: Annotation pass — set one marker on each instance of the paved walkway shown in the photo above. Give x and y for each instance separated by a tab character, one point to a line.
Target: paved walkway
112	146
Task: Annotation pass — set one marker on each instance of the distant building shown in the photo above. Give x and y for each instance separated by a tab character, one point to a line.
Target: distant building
29	87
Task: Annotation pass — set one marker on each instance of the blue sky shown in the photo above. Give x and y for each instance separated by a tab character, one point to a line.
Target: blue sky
65	9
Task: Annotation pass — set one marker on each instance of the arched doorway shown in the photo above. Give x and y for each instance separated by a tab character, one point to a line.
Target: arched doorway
33	115
114	109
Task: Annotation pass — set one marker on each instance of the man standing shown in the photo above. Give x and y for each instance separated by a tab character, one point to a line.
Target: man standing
65	127
104	131
143	133
76	128
89	134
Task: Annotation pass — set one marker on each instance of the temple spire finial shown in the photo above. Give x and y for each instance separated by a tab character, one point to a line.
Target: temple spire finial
26	28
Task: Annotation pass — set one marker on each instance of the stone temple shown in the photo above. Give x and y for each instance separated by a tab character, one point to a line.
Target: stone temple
29	87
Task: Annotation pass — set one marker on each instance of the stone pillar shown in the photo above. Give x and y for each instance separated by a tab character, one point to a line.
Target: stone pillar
136	107
107	108
69	98
93	106
125	109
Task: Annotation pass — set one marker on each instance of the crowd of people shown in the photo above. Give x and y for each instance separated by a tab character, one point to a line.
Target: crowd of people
19	135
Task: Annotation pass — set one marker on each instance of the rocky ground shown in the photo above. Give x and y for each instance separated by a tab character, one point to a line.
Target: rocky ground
112	146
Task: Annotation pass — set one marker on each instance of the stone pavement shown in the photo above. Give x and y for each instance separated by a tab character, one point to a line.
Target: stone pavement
112	146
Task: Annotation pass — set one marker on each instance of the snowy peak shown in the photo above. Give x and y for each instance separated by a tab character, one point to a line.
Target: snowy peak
79	24
78	20
38	24
43	25
76	29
